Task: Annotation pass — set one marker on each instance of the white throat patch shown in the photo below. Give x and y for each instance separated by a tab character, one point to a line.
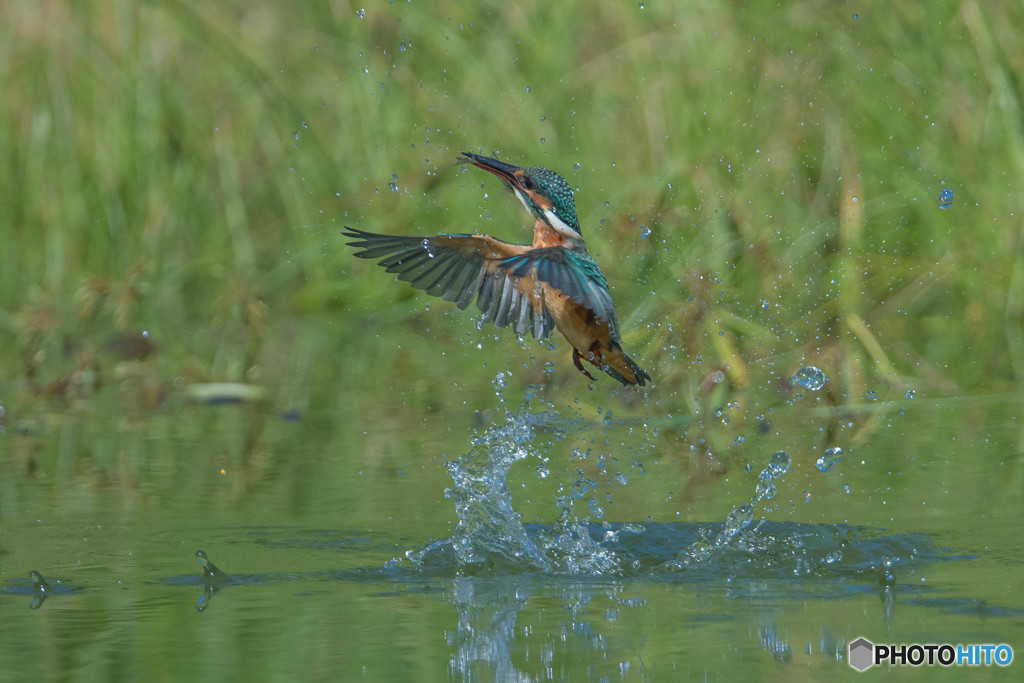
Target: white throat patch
560	225
524	199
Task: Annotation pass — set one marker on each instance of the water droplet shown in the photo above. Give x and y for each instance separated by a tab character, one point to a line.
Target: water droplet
543	118
765	485
945	198
542	472
645	232
543	140
576	166
402	45
739	440
829	458
846	488
739	518
807	496
527	88
855	17
394	188
809	377
779	463
361	13
871	395
910	395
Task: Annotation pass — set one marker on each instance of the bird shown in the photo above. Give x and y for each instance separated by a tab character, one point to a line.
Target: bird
552	283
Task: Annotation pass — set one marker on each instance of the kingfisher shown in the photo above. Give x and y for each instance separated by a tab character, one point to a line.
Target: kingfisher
552	283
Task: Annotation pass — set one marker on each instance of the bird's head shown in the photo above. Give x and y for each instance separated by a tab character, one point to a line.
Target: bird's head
544	193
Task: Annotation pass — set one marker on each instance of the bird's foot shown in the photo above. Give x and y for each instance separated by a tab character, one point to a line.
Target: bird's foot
579	366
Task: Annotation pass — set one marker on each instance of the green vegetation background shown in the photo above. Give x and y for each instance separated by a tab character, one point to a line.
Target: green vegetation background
175	176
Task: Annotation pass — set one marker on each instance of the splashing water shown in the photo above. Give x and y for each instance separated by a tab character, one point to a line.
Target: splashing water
740	518
490	537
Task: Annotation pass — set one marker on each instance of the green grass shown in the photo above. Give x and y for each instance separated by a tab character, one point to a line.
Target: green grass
185	168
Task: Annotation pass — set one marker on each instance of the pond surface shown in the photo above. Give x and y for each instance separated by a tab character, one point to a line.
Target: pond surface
502	561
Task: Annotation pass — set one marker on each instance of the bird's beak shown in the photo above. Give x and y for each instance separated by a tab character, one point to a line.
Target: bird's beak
507	172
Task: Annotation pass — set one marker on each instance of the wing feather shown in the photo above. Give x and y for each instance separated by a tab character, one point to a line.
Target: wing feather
502	277
460	268
573	273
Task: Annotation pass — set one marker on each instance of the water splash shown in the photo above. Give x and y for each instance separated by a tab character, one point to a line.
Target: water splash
739	519
490	538
490	535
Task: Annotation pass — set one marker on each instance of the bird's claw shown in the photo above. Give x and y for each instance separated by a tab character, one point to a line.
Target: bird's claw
579	366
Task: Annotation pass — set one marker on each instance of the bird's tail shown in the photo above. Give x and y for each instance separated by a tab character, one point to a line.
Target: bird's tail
623	368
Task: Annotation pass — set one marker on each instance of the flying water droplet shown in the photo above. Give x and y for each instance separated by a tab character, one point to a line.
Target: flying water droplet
645	232
779	463
945	198
910	395
809	377
361	13
765	486
394	188
829	458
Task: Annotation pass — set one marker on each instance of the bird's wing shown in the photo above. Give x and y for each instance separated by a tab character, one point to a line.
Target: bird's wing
461	268
574	274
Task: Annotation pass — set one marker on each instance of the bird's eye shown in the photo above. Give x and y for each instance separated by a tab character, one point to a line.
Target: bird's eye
528	183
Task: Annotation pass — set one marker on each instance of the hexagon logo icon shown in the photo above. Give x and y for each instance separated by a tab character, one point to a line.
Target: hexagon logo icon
862	653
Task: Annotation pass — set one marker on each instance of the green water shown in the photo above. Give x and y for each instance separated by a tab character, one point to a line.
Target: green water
321	586
766	188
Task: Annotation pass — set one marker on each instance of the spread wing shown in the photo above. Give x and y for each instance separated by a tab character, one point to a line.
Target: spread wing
503	277
460	268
